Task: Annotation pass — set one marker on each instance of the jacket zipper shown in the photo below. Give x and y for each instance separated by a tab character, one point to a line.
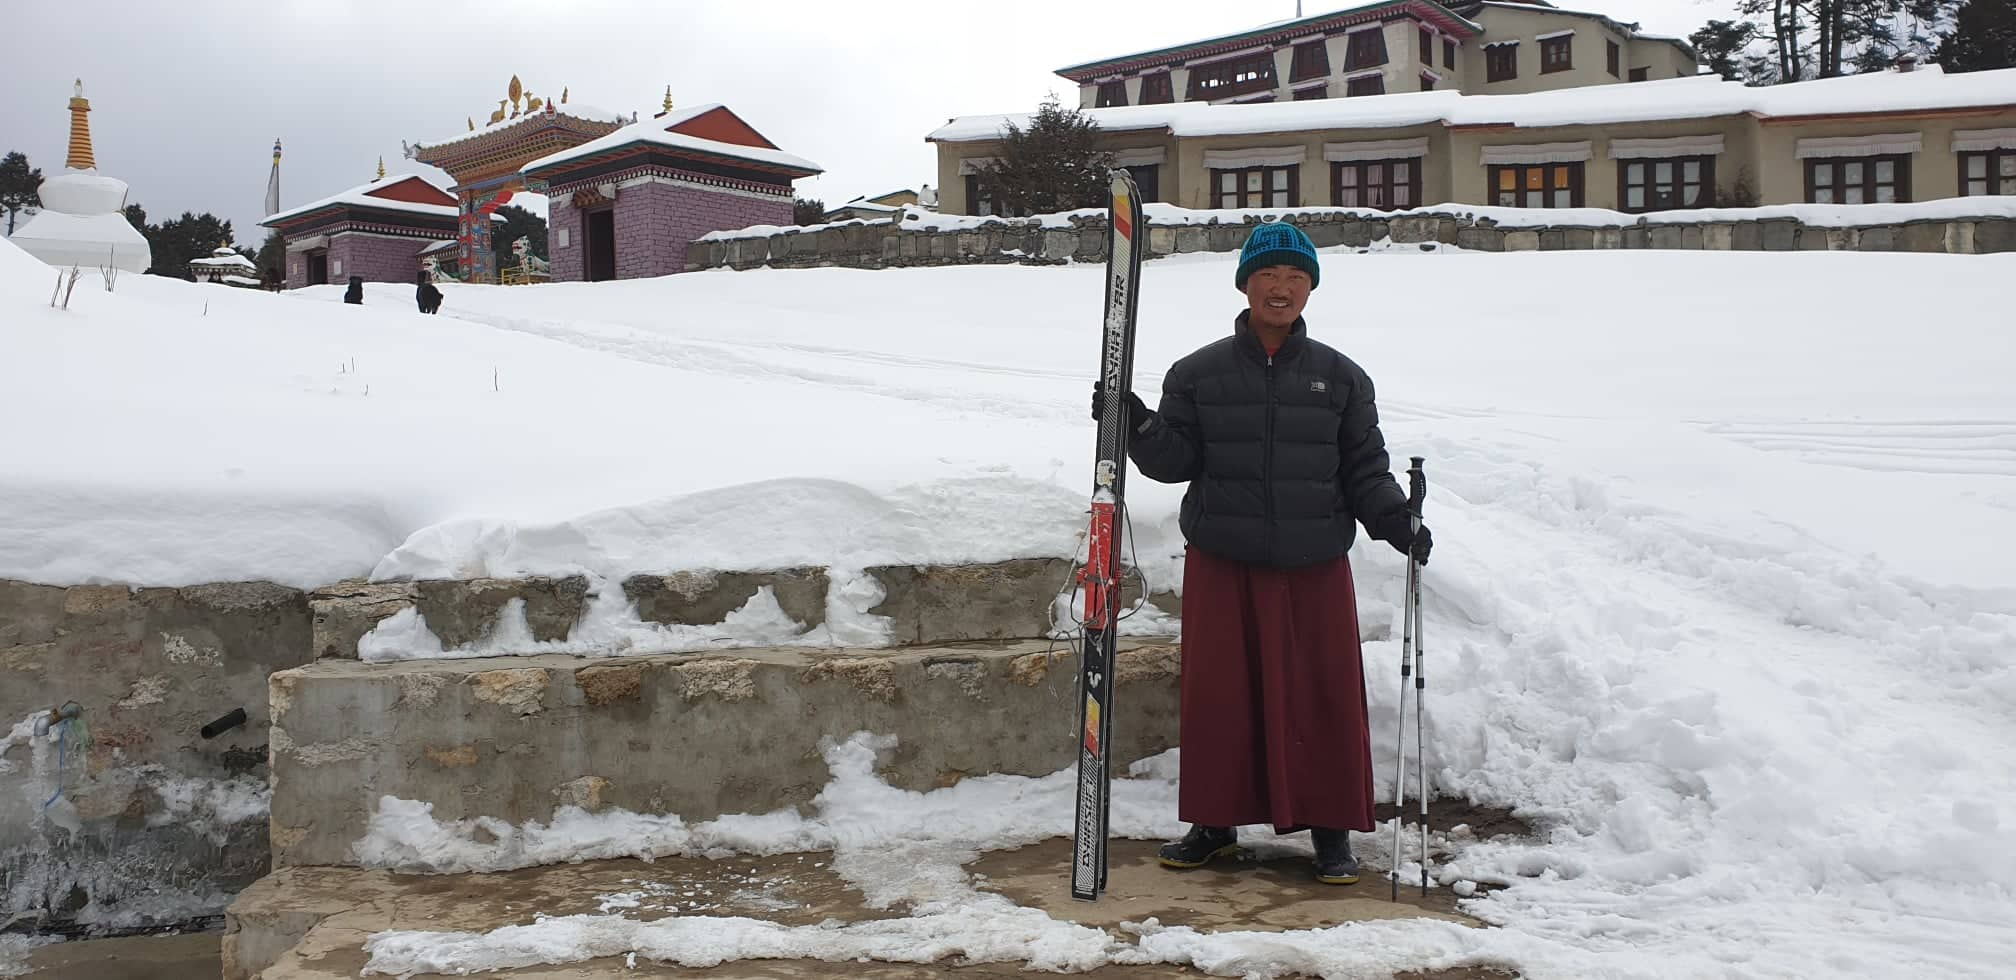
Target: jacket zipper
1267	453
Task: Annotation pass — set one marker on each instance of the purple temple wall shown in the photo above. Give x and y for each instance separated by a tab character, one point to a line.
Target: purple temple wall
655	221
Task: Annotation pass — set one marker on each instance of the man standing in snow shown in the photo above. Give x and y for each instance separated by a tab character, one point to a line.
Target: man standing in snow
1278	437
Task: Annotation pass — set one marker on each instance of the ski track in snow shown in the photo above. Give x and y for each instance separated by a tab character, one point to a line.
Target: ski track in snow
1984	448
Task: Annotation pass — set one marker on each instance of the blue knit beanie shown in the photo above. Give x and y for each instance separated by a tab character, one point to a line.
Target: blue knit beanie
1276	243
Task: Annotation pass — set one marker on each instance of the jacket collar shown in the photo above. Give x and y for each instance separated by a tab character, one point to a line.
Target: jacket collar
1249	342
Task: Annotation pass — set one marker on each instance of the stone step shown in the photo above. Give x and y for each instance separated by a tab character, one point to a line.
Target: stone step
312	923
515	738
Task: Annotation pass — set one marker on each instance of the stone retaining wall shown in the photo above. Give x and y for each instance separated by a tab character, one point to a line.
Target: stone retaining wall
517	738
175	821
1081	236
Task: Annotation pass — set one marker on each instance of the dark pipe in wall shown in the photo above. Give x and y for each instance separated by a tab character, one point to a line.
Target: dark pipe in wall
225	724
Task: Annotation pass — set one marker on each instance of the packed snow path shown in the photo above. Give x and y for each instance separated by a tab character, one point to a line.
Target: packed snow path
1721	600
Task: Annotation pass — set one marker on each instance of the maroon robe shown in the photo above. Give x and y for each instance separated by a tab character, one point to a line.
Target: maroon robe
1273	726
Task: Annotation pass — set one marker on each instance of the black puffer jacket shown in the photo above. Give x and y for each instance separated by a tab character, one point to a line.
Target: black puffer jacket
1282	454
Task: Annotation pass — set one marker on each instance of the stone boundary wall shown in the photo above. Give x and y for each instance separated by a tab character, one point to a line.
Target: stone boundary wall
167	817
1081	236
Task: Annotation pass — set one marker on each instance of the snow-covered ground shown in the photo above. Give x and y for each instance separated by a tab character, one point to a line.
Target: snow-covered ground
1723	596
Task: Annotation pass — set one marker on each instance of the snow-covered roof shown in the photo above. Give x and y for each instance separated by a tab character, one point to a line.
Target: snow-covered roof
1272	32
1628	29
1700	96
655	131
231	261
863	204
440	246
359	196
578	110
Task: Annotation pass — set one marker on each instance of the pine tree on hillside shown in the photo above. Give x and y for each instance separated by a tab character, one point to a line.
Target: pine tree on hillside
137	217
1053	165
177	241
518	223
272	258
20	186
1983	38
1721	45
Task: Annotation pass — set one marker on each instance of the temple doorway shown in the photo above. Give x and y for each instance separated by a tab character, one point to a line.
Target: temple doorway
318	268
600	255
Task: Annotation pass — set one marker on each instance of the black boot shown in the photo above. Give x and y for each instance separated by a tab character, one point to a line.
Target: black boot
1199	846
1334	863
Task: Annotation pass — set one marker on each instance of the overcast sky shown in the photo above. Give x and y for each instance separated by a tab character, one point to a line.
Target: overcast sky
187	98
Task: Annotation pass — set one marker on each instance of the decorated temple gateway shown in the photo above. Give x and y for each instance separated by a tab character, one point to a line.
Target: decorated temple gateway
484	163
625	196
375	230
627	205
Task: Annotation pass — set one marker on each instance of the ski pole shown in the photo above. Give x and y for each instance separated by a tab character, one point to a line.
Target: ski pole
1400	735
1417	494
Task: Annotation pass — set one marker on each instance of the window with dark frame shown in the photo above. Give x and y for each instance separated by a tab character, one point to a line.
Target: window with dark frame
1365	49
1256	187
1312	60
1987	172
1615	56
1557	54
1427	82
979	197
1640	74
1537	185
1501	62
1382	185
1365	85
1448	53
1239	76
1666	184
1147	180
1156	89
1427	47
1112	93
1859	180
1312	92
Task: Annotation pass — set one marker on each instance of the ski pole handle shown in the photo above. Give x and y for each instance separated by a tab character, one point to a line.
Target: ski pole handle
1417	489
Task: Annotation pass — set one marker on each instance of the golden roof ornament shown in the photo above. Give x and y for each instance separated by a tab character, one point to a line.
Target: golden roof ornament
668	98
472	124
563	95
381	171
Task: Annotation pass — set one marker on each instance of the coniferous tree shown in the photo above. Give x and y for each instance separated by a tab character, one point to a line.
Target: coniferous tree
1983	38
1721	45
518	223
137	217
20	186
177	241
272	258
1053	165
807	211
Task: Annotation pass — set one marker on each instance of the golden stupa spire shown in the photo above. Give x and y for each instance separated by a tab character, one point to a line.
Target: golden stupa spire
563	95
668	98
80	131
381	170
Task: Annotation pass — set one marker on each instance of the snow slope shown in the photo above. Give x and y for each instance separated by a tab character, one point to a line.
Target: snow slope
1721	599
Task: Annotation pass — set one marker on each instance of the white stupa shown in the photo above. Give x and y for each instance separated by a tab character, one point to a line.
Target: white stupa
83	221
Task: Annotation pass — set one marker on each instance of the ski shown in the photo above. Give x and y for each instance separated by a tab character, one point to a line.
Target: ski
1101	575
